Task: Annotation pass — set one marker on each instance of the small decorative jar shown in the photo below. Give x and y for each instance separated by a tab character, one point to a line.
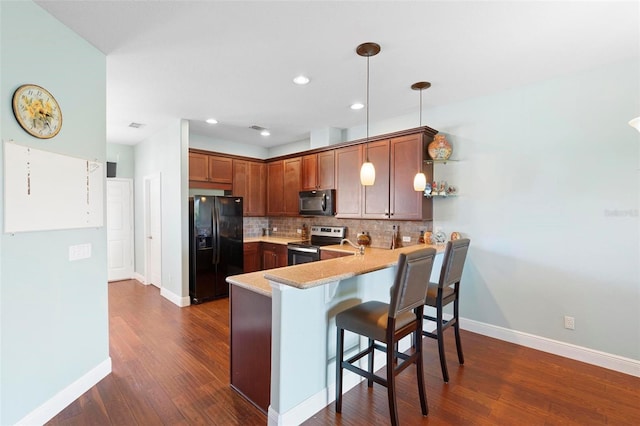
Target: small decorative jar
428	237
439	148
363	239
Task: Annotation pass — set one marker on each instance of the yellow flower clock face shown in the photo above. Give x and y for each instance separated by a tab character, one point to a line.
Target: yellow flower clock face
37	111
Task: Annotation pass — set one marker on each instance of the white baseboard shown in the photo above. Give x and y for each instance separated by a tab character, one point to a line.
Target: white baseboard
567	350
174	298
315	403
62	399
140	278
307	408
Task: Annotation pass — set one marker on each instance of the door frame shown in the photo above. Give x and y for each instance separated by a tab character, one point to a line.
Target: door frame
146	210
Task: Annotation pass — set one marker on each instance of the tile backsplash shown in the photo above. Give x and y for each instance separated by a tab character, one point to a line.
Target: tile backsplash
379	230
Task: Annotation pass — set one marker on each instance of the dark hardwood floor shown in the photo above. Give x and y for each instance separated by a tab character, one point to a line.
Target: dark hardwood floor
171	367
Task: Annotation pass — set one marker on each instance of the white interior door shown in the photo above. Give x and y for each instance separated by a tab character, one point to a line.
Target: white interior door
119	229
153	231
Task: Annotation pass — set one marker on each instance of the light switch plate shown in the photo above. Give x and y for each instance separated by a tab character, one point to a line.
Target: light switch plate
79	251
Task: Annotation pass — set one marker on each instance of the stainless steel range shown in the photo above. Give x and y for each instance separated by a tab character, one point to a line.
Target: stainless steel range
309	251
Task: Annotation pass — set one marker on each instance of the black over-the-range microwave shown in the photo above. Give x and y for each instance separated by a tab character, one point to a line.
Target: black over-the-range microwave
317	203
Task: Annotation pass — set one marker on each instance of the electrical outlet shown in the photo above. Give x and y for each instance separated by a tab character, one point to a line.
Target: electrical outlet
406	239
299	231
569	323
275	229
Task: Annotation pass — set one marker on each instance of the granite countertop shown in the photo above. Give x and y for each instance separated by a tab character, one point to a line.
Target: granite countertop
313	274
271	239
286	240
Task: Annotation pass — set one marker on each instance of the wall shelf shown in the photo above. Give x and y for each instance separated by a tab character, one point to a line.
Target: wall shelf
429	161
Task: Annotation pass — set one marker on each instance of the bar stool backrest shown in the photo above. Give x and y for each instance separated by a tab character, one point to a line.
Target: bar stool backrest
412	279
453	262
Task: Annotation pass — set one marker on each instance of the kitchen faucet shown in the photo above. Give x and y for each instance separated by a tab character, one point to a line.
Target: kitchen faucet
360	247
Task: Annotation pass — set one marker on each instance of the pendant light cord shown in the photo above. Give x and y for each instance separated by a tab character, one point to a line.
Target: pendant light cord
368	98
420	107
367	146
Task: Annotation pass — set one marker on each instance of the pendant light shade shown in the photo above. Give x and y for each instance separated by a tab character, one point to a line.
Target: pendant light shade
367	171
368	174
420	180
635	123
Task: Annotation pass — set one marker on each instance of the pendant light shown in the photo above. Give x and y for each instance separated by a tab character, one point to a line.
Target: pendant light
367	171
420	180
635	123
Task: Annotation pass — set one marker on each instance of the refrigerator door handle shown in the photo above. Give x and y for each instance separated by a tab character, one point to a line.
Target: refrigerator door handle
216	220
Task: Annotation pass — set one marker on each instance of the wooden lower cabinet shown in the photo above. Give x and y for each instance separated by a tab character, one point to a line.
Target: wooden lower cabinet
250	335
252	258
273	255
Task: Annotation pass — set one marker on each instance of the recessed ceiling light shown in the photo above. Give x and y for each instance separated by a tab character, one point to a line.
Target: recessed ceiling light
212	121
301	80
357	106
265	132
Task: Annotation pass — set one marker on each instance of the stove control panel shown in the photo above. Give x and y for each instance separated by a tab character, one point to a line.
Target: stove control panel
329	231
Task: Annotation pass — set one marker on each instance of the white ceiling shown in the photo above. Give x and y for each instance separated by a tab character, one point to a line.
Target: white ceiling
235	60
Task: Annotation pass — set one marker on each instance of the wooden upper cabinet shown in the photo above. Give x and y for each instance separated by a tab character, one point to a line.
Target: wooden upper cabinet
257	189
348	189
210	171
392	196
310	172
406	155
376	197
318	171
292	184
407	160
275	188
249	182
198	167
241	180
220	169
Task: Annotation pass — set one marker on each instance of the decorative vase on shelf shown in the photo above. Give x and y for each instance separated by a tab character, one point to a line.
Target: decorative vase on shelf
439	148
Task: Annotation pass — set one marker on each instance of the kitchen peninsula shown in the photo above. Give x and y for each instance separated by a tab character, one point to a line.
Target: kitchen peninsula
292	310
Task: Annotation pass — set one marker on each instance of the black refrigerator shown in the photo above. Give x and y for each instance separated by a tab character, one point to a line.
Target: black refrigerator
215	245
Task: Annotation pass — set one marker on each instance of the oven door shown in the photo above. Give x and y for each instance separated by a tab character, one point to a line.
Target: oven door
297	254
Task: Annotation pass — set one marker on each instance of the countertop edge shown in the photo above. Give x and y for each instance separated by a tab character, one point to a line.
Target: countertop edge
309	275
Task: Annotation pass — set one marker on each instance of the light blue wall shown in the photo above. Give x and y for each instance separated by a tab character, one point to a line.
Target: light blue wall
166	153
122	155
54	319
232	148
549	183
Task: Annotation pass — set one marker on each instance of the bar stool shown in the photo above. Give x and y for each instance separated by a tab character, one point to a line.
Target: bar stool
388	323
445	291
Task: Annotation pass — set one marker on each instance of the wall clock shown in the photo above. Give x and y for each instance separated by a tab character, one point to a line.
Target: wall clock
37	111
